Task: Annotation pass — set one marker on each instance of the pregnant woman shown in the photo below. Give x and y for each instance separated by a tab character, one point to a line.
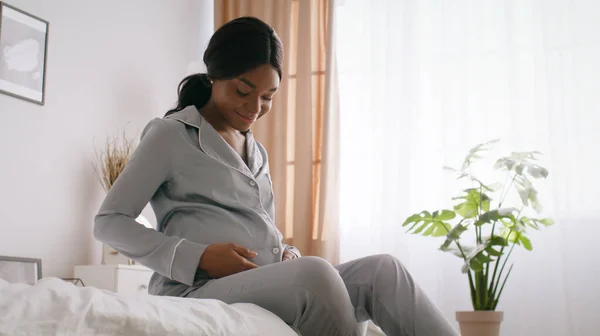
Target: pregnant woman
208	182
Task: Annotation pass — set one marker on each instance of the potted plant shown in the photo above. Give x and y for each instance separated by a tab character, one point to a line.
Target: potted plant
495	229
111	161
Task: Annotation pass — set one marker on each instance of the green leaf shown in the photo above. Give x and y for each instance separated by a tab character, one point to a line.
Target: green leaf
518	238
493	187
464	173
492	252
476	258
456	251
535	223
498	241
522	156
430	224
453	235
429	230
444	215
505	163
475	151
528	222
524	195
522	164
472	202
476	265
527	192
525	242
484	253
496	215
531	169
547	221
461	174
466	209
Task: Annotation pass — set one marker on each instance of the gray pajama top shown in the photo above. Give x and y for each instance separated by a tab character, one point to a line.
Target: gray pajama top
201	192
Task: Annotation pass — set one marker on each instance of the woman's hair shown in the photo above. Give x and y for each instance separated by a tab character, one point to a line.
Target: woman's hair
237	47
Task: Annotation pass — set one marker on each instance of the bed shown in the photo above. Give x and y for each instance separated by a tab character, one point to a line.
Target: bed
53	306
56	307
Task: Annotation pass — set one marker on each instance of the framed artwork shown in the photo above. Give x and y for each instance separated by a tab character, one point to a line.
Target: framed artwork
20	270
23	52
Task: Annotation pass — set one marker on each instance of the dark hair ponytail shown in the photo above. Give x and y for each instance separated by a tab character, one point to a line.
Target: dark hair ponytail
238	46
192	90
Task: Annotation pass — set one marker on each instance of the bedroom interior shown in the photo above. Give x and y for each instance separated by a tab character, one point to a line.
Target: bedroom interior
379	100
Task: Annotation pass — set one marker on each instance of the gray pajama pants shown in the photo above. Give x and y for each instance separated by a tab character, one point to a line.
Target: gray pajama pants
319	299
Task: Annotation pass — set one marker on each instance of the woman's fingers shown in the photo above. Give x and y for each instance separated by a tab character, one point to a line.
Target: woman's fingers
244	252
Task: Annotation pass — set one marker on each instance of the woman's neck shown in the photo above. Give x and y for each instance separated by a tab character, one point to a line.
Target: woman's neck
215	118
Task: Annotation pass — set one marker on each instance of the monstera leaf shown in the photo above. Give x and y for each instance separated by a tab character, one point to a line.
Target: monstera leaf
473	202
430	224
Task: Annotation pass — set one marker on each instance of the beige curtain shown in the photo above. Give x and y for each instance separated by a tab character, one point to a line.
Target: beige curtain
301	131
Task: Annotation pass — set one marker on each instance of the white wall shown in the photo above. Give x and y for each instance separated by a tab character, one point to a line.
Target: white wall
112	65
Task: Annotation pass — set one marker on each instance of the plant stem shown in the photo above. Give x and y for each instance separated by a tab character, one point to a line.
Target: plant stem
502	268
481	277
497	298
478	229
486	280
503	188
471	284
496	281
493	281
487	268
505	191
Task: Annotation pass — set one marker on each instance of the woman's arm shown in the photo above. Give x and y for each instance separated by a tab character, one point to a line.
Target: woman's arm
115	225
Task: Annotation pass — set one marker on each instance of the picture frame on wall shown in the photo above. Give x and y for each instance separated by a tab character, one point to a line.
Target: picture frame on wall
23	54
20	270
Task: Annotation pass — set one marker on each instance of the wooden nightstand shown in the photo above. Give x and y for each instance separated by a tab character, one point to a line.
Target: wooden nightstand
123	279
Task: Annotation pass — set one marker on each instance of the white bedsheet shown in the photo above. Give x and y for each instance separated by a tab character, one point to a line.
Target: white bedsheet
55	307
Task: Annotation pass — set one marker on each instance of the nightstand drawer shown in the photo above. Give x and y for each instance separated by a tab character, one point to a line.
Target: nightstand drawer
132	281
123	279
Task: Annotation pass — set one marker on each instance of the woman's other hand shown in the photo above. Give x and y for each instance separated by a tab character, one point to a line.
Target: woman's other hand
288	255
221	260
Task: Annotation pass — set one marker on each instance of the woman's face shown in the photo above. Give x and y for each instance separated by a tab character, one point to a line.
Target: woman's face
244	99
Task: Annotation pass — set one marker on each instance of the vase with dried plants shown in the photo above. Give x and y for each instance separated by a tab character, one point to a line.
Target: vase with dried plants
110	162
113	158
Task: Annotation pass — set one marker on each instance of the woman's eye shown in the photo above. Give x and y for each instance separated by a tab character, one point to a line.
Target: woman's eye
268	98
240	93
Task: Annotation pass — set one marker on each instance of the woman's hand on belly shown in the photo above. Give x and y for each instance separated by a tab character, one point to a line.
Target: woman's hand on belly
221	260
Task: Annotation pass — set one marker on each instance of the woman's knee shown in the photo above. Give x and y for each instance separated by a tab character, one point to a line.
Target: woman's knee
378	261
382	267
388	259
330	304
318	275
316	266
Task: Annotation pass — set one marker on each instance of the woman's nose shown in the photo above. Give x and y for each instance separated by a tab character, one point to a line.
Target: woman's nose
253	105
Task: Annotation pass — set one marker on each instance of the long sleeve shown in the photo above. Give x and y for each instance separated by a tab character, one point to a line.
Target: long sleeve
292	249
115	225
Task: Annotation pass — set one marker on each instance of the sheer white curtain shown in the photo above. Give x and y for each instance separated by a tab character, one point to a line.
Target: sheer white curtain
423	81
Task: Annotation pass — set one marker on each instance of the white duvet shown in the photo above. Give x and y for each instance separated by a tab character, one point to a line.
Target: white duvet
56	307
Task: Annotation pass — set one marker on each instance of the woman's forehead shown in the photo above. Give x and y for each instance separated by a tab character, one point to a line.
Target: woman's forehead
261	78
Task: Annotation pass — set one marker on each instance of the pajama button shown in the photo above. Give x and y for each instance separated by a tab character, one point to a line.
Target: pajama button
275	250
252	183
